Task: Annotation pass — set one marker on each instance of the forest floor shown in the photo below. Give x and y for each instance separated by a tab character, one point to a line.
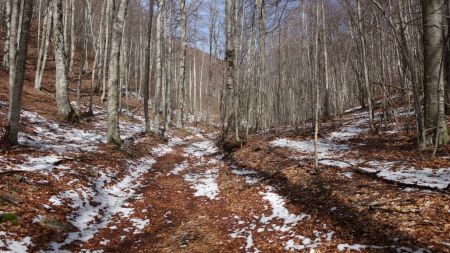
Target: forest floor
63	189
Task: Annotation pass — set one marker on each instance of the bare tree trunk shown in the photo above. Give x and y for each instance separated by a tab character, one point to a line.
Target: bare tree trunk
113	136
147	68
229	69
72	34
158	94
262	65
316	93
435	123
108	34
365	67
200	89
62	87
194	82
325	57
182	84
5	60
43	51
17	73
212	24
81	71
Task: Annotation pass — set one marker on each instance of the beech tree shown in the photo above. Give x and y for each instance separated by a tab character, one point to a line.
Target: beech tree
65	110
434	80
229	58
113	136
147	68
17	62
182	82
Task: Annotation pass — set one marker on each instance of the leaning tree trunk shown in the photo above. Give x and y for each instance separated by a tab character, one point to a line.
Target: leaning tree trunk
433	82
113	136
16	85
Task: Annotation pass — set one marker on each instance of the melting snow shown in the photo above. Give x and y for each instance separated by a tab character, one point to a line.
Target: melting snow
109	200
36	163
13	245
205	183
179	168
251	177
139	224
279	211
201	149
325	148
439	179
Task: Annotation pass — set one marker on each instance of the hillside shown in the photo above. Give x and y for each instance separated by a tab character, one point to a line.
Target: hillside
261	149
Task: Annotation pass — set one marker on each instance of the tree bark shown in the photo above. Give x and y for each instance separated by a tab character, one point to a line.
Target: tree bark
113	135
158	93
65	110
433	82
17	74
182	84
147	68
5	60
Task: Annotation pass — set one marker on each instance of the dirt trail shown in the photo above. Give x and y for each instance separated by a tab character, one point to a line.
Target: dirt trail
195	202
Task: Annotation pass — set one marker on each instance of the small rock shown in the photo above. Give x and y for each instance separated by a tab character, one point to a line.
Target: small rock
55	225
6	197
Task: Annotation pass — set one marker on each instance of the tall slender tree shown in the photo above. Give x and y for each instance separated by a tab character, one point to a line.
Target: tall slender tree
113	136
65	110
147	69
182	81
17	73
433	82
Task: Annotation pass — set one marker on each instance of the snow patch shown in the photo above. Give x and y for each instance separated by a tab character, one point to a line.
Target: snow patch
139	224
109	200
201	149
439	179
279	211
205	184
325	148
179	168
13	245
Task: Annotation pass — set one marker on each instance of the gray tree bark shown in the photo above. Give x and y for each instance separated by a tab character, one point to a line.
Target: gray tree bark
182	83
113	135
5	60
147	68
433	82
62	85
17	73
